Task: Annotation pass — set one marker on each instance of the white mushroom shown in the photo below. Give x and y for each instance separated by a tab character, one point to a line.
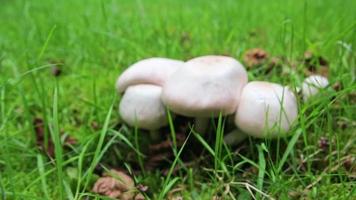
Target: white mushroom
205	87
148	71
141	106
312	85
266	109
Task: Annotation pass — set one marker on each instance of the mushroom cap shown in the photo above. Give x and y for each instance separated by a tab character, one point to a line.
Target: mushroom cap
148	71
266	109
141	106
312	85
205	86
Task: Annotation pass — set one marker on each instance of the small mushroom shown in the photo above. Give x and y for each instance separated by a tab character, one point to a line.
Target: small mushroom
312	85
266	109
141	104
205	87
148	71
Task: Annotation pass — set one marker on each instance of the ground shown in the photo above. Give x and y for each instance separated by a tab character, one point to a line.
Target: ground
59	61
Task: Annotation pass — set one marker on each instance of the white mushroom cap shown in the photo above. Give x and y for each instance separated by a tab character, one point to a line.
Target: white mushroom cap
266	109
148	71
312	85
141	106
205	86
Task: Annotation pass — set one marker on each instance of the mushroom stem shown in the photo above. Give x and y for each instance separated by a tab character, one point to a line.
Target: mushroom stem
201	124
234	137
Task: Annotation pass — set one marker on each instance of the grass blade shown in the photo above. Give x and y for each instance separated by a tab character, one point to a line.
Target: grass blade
289	149
204	143
261	167
55	135
41	170
97	157
44	47
218	142
168	183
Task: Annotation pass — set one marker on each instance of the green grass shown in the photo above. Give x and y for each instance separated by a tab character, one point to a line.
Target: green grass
92	42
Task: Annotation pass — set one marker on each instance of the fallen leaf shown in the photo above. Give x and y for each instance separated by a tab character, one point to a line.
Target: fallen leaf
39	127
116	184
48	148
337	86
139	197
157	160
315	64
107	186
160	153
254	57
56	71
159	146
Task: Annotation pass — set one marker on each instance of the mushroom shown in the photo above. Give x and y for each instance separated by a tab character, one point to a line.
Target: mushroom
148	71
205	87
312	85
141	105
266	109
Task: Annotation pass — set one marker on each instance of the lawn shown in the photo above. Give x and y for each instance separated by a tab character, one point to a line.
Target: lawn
59	125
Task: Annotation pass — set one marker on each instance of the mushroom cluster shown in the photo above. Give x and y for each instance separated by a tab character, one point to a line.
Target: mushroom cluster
203	88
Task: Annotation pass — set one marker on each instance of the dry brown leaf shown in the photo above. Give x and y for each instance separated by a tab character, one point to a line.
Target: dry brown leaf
337	86
56	71
162	152
254	57
116	184
155	160
107	186
315	64
139	197
39	127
